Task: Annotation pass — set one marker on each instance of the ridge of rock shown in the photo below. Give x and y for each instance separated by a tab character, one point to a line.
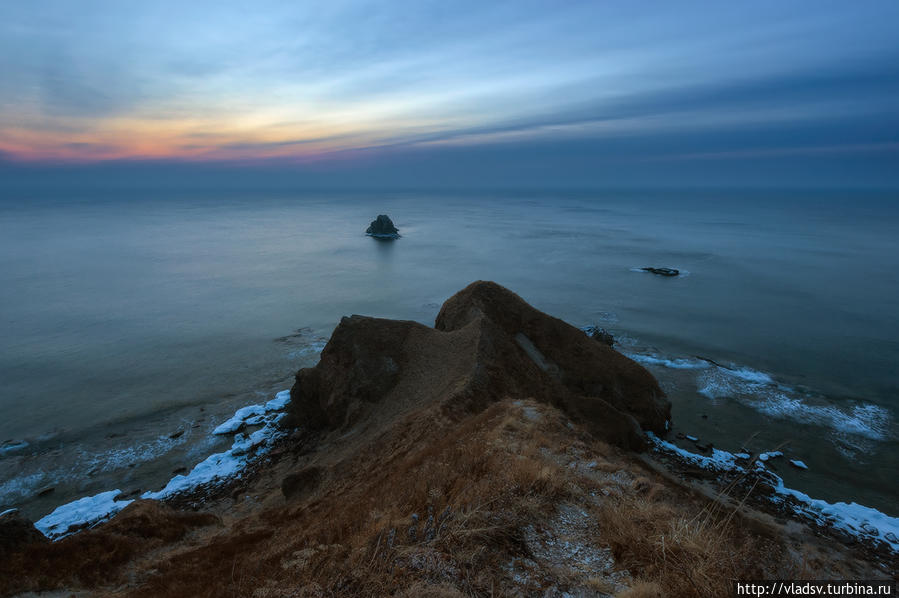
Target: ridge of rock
487	344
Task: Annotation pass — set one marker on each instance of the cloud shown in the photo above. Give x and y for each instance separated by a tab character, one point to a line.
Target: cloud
364	82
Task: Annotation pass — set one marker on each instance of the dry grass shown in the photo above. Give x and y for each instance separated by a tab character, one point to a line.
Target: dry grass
681	545
441	508
642	589
446	510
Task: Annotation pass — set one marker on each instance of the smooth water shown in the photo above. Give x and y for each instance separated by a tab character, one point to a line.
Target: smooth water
132	324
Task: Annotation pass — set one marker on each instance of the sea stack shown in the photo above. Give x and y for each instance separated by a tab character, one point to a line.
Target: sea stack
382	228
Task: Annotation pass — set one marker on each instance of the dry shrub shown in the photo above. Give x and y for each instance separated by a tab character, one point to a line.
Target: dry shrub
96	556
440	508
687	548
420	510
422	590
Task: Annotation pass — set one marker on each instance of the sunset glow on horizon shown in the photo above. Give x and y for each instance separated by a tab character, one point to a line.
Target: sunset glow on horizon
194	82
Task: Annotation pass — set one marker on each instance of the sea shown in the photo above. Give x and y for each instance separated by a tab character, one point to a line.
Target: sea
132	323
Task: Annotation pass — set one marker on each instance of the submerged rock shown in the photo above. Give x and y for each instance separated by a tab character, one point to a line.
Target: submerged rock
487	345
600	335
382	228
662	271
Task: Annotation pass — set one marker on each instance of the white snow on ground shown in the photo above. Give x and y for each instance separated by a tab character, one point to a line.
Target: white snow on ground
222	466
798	463
219	467
279	402
857	520
87	511
720	460
770	455
239	419
853	518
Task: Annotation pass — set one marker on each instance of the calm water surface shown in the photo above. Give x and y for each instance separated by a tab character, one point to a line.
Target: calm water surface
133	323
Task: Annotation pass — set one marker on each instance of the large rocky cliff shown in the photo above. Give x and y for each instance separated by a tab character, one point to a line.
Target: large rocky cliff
488	344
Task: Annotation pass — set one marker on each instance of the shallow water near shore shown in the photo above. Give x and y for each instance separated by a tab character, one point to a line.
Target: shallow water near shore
134	324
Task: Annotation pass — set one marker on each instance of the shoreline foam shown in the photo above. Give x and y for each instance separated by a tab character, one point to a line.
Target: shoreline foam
761	392
864	523
217	468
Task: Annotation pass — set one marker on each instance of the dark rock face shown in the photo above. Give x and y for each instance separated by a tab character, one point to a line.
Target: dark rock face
382	227
600	335
303	481
16	533
488	344
662	271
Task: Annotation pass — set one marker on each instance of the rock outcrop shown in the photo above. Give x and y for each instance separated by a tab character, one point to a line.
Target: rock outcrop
600	335
16	533
488	344
382	228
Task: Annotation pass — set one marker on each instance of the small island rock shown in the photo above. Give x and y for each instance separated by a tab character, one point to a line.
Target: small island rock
382	228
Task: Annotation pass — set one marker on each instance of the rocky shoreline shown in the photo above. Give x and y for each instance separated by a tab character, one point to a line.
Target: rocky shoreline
501	452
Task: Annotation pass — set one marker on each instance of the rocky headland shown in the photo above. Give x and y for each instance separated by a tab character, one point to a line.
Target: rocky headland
502	452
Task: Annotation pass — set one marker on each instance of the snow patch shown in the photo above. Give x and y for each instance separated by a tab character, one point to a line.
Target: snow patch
90	510
279	402
221	466
719	460
239	419
857	520
798	463
84	512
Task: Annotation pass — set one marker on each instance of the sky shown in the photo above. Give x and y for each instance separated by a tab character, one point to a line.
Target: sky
451	93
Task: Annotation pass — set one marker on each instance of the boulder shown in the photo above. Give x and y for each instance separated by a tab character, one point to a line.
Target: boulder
488	344
382	228
662	271
16	533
